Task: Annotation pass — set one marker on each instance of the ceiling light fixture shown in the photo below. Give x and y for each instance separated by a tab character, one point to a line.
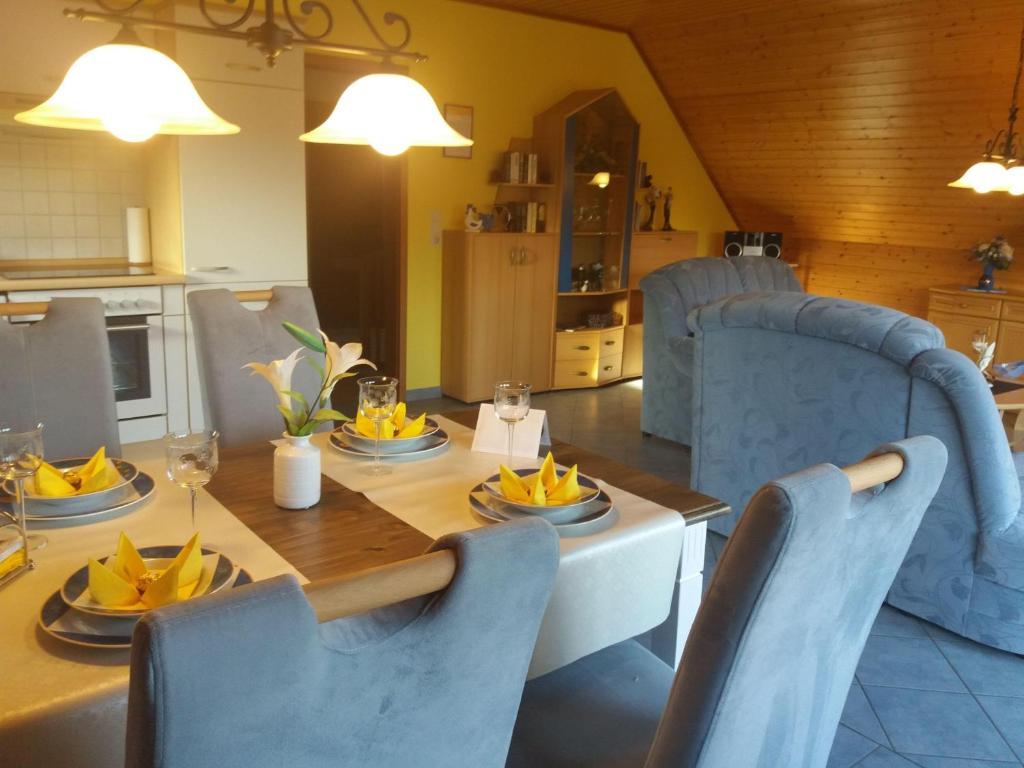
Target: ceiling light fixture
134	91
1000	168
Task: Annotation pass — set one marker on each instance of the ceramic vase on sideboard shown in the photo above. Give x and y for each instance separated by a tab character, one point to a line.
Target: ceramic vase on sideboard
296	473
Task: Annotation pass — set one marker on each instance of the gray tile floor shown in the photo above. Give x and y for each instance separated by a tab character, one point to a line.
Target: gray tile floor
922	696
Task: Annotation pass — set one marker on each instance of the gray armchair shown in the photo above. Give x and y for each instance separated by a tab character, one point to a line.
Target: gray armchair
769	660
57	372
670	294
238	404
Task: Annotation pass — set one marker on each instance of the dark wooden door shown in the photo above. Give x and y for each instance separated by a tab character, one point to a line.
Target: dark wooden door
355	209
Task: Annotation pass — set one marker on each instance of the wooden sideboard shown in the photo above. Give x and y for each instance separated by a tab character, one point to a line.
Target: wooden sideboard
960	314
497	311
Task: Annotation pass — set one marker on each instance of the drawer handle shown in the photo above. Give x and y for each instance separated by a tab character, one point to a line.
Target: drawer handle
583	348
609	343
582	373
609	367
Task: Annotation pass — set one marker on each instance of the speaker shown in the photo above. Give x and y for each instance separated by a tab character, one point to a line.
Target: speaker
733	244
753	244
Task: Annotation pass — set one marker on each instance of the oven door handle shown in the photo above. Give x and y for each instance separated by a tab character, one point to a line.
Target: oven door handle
138	327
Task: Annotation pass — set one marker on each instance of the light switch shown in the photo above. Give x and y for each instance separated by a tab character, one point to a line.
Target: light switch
435	228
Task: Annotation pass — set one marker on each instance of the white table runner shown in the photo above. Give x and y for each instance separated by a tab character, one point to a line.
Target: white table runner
610	586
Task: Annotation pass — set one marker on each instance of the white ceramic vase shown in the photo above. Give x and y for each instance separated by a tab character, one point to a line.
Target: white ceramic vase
296	473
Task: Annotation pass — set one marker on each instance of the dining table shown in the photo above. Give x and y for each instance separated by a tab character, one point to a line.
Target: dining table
640	576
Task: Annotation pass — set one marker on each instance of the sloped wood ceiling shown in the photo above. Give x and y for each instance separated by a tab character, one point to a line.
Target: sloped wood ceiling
840	122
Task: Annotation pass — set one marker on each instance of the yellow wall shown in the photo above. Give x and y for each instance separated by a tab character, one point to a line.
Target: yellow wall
510	67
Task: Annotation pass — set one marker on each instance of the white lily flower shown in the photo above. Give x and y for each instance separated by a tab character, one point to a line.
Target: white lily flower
279	374
341	359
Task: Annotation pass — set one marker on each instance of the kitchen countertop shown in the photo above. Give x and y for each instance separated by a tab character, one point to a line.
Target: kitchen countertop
53	283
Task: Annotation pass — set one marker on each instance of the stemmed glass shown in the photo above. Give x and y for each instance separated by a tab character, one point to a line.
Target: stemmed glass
191	461
979	343
21	453
511	405
378	398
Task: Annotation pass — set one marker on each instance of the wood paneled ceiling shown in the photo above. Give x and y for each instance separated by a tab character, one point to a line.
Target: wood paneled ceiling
834	120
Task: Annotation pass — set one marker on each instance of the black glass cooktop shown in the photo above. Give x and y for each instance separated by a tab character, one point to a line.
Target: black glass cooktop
36	274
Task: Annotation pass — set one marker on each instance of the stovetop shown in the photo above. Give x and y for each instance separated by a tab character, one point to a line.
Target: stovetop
36	274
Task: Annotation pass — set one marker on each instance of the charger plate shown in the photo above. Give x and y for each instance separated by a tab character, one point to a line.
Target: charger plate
216	574
142	488
599	517
61	621
433	445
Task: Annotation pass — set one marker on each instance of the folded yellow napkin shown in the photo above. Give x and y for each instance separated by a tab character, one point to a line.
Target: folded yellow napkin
396	426
96	475
542	489
12	555
127	583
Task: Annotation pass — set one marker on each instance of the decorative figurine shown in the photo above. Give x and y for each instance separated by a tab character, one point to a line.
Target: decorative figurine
667	226
651	198
474	222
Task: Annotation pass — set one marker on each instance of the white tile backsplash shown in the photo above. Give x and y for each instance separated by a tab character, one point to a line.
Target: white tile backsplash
64	198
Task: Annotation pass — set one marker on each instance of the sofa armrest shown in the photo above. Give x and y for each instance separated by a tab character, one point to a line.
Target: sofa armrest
682	349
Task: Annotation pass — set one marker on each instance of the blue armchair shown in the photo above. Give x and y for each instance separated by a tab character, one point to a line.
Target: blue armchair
785	380
670	293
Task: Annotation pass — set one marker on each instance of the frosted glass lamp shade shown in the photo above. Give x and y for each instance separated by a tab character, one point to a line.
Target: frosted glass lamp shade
132	91
388	112
983	177
601	179
1015	180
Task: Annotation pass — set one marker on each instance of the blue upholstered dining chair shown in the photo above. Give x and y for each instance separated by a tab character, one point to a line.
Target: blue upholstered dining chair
57	372
768	663
248	678
670	294
237	403
784	380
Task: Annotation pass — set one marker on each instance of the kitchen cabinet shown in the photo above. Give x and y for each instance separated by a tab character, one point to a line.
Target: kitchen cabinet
498	307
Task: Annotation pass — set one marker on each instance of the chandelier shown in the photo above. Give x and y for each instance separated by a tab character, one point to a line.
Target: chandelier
1000	169
134	91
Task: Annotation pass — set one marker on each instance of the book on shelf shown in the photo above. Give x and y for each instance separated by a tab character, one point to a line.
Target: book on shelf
526	217
519	168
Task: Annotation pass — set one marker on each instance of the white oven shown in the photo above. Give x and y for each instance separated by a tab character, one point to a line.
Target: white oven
135	330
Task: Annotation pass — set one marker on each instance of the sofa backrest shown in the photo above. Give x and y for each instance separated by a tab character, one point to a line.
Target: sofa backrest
785	380
683	286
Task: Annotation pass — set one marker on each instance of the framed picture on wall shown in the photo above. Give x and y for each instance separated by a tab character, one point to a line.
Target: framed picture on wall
459	117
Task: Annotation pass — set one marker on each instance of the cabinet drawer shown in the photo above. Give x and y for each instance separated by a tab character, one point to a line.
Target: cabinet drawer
609	367
976	306
578	346
1013	310
611	341
575	373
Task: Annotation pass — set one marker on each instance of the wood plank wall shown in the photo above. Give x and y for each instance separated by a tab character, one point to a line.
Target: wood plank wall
840	122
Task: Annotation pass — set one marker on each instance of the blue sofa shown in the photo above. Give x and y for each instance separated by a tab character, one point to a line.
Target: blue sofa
670	294
786	380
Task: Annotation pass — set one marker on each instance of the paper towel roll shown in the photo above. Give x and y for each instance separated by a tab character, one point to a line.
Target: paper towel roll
137	235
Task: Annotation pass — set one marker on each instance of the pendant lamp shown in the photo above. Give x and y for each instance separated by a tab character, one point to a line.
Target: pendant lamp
389	112
131	90
1000	168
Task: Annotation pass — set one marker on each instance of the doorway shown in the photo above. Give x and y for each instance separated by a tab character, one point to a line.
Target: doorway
355	219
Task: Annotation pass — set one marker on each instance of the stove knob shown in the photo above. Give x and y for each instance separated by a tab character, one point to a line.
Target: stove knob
111	304
128	303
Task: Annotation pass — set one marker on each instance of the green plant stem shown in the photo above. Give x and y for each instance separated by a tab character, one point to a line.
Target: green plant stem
316	402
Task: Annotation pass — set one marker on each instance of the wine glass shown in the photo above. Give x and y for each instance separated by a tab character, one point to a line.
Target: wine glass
191	461
979	342
21	453
511	405
378	397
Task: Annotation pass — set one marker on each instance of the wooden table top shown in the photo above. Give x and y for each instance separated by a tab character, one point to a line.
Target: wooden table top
347	532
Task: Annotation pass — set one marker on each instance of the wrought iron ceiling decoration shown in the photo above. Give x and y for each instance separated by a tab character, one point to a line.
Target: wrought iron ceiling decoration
134	91
1000	169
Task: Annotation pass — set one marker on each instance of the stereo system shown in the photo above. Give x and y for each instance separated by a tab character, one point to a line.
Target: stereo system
753	244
